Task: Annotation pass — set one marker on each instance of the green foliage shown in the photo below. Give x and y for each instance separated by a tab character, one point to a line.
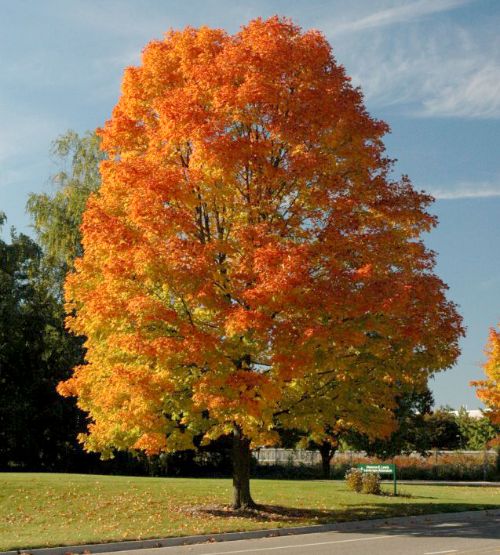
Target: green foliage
57	217
37	427
371	484
475	433
442	429
354	479
459	469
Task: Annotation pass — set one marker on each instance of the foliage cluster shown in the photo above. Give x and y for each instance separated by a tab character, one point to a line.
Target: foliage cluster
371	483
363	482
354	479
57	218
476	433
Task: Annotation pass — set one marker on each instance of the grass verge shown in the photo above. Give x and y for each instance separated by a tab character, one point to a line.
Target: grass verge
43	510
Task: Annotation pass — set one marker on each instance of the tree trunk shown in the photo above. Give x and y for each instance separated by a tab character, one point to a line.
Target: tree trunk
241	456
326	451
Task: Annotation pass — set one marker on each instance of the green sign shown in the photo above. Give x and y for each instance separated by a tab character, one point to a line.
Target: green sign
380	469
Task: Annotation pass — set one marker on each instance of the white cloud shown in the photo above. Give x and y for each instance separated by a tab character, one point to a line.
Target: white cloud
398	14
474	93
438	69
467	190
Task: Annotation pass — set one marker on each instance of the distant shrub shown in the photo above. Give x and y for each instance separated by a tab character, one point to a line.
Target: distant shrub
448	466
371	484
354	479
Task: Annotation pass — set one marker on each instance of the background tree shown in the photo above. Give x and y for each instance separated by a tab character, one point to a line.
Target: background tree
248	262
489	390
475	433
412	428
442	429
57	217
326	445
37	427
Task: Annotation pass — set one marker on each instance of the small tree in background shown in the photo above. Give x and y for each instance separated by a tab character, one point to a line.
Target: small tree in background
476	433
327	446
442	429
248	262
37	427
57	217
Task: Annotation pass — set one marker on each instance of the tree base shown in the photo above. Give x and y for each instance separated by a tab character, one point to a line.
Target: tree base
248	506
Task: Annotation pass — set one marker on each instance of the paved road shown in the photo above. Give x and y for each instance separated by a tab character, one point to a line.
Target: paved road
457	535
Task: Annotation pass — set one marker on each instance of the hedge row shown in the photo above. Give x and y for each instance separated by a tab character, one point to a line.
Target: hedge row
454	466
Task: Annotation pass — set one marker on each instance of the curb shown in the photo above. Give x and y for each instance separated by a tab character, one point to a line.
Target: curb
254	534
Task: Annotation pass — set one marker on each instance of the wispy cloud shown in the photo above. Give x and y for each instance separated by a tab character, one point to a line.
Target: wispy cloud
398	14
467	190
474	92
432	70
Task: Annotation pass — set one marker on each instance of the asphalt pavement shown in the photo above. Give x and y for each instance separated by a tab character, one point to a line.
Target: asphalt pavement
456	534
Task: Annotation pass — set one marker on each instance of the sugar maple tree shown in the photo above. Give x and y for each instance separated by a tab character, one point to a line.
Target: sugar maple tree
248	262
489	390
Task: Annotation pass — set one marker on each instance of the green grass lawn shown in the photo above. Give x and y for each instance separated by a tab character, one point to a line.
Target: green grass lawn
41	510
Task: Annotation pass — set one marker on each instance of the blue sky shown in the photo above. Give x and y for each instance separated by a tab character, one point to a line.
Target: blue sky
430	68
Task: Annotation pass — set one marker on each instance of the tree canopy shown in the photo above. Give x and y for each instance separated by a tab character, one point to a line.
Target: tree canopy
249	263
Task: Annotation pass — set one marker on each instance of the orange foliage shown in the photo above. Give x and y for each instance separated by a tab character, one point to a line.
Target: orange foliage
489	390
248	259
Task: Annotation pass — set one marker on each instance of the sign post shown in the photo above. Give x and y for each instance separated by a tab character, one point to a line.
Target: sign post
380	469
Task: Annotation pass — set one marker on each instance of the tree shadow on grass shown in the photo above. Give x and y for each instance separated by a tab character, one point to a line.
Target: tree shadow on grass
303	516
